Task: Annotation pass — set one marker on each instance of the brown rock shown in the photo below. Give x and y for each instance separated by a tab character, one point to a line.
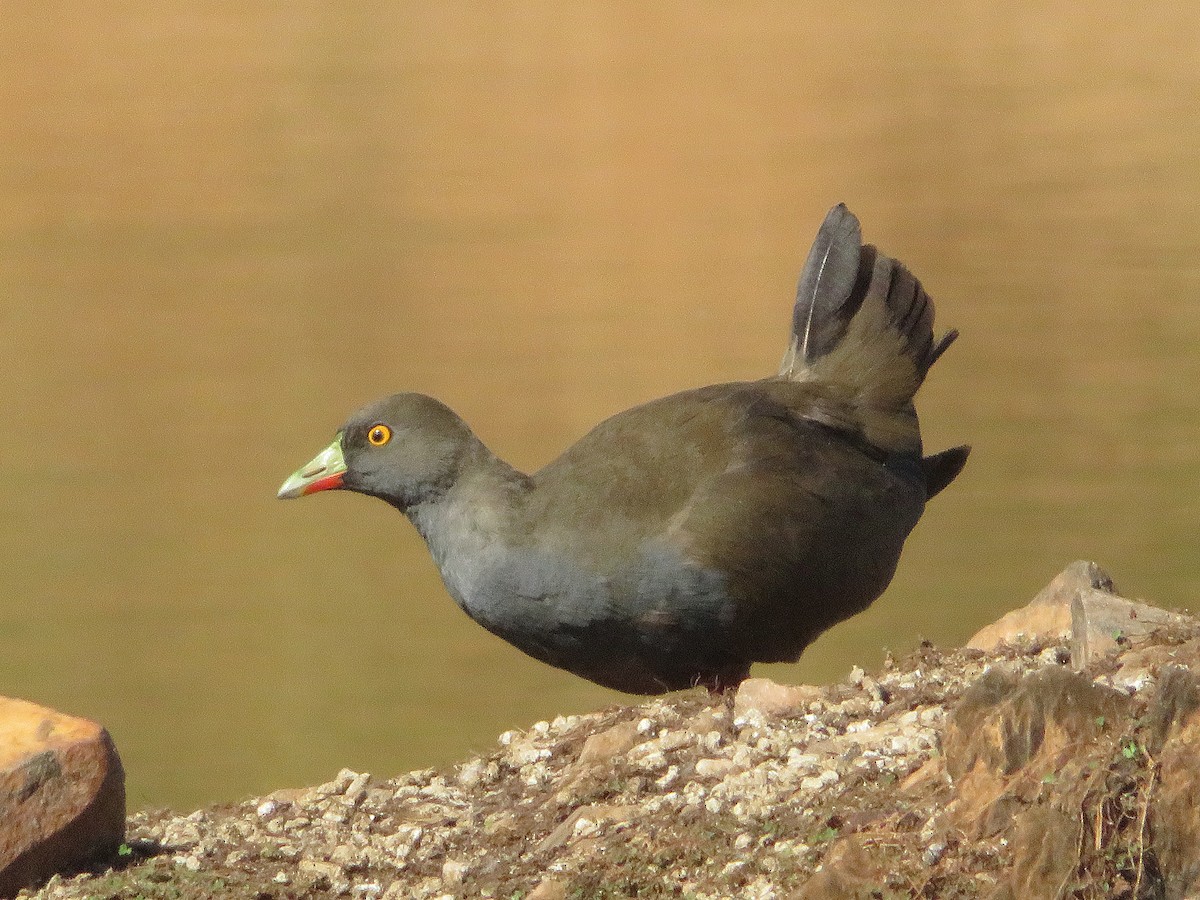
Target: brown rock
1045	855
708	720
848	872
1048	615
1007	723
549	889
604	745
62	793
1080	605
1006	735
931	772
1175	705
594	765
772	699
1176	719
586	819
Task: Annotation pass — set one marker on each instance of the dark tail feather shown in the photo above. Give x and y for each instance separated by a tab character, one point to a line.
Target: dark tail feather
861	318
941	347
942	468
832	285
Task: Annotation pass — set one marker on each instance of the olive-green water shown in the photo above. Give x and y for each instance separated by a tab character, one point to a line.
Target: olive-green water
223	226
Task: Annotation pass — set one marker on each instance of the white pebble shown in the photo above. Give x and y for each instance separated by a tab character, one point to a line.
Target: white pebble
453	872
797	759
652	761
713	768
816	782
585	827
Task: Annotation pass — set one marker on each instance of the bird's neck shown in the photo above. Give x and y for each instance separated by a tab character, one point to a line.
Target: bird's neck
473	514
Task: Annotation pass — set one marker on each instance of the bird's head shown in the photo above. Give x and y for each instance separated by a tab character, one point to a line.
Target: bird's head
405	449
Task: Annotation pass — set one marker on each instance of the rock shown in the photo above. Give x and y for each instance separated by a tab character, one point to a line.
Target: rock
603	746
62	793
773	700
1007	733
708	721
932	771
454	873
585	820
1079	605
1006	723
848	872
323	875
714	768
1045	855
1175	717
1175	705
549	889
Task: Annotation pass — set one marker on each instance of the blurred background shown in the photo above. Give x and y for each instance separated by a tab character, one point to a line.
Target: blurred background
225	225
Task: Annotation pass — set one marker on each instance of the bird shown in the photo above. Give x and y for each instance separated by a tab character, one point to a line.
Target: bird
684	539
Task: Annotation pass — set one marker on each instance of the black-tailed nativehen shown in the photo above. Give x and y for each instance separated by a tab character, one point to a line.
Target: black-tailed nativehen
684	539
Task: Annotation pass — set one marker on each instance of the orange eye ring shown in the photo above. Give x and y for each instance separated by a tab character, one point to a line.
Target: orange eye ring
378	435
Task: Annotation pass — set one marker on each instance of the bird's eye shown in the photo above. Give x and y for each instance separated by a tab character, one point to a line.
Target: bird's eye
379	435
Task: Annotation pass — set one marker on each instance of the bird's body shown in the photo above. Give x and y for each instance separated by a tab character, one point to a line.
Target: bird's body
681	540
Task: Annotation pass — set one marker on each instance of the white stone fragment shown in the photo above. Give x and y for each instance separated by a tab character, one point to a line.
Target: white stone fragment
713	768
454	872
798	759
585	827
652	761
816	782
267	808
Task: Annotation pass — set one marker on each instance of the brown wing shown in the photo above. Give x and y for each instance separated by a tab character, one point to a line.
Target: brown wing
802	523
807	523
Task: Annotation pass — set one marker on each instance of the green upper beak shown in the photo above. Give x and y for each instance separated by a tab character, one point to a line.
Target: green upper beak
322	474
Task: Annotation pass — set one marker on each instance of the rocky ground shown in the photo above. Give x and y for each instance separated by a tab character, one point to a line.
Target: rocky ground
1054	762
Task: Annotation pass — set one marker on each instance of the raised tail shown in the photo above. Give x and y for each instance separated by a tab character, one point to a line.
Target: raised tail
862	322
862	333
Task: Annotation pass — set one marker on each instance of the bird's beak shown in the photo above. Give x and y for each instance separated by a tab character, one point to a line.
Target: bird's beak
322	474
